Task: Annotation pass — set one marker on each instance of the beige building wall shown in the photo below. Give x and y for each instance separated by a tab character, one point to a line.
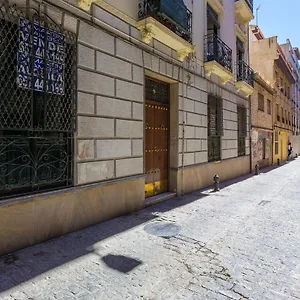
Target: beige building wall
110	107
269	61
109	143
262	124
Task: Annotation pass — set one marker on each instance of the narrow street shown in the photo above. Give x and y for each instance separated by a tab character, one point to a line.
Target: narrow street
240	243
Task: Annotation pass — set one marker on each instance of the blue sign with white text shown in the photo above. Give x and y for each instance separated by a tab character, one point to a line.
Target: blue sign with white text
41	58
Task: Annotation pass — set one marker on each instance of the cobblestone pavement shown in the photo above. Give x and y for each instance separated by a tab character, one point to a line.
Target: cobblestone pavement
241	243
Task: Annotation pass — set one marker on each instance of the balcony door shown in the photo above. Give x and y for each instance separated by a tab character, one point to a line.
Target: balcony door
213	25
240	53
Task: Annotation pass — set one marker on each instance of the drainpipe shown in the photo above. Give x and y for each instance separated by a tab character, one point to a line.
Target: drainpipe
183	131
250	138
250	106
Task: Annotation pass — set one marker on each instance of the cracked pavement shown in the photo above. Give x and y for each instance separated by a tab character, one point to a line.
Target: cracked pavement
240	243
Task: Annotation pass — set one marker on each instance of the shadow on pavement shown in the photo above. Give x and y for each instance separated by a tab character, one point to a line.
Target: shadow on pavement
26	264
121	263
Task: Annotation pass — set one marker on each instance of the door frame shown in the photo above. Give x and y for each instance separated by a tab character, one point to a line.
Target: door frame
168	105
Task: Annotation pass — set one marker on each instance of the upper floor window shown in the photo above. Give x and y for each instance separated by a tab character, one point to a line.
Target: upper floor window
261	102
269	107
213	23
239	50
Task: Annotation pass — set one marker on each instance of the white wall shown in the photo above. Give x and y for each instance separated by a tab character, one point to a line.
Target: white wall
129	7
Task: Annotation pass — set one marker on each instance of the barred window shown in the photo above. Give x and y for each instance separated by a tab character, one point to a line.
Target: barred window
215	127
37	103
157	91
261	102
242	130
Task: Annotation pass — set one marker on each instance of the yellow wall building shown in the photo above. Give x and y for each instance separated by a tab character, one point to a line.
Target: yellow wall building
268	59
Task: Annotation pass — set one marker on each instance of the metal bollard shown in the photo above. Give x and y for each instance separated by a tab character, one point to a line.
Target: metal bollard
278	161
216	183
257	169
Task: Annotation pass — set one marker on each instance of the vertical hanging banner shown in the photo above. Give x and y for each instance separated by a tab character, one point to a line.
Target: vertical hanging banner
41	58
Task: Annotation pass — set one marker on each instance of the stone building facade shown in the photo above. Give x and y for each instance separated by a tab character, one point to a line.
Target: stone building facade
293	56
270	62
160	109
262	123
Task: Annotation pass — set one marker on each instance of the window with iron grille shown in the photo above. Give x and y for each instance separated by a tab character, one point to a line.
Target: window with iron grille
261	102
242	130
157	91
37	103
215	127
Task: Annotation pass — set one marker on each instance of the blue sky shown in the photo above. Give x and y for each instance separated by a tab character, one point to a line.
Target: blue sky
279	18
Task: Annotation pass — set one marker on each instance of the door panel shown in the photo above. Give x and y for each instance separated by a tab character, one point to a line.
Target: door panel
157	141
161	148
149	149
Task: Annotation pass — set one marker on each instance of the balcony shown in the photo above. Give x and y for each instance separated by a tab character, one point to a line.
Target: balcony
244	78
217	6
217	58
244	10
168	21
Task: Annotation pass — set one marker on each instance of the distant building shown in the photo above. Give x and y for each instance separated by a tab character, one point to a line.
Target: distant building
293	56
262	123
268	59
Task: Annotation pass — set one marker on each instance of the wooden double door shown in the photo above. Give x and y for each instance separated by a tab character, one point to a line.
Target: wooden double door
156	148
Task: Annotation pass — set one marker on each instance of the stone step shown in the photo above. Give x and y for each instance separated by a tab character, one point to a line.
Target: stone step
159	198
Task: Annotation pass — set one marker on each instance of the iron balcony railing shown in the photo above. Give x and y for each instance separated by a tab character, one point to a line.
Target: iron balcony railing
244	73
249	3
217	50
171	13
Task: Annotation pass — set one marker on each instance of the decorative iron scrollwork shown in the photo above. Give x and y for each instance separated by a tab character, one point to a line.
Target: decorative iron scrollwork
217	50
37	113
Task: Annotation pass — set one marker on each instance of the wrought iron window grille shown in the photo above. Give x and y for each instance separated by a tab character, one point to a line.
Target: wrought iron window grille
37	102
157	91
215	127
242	130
